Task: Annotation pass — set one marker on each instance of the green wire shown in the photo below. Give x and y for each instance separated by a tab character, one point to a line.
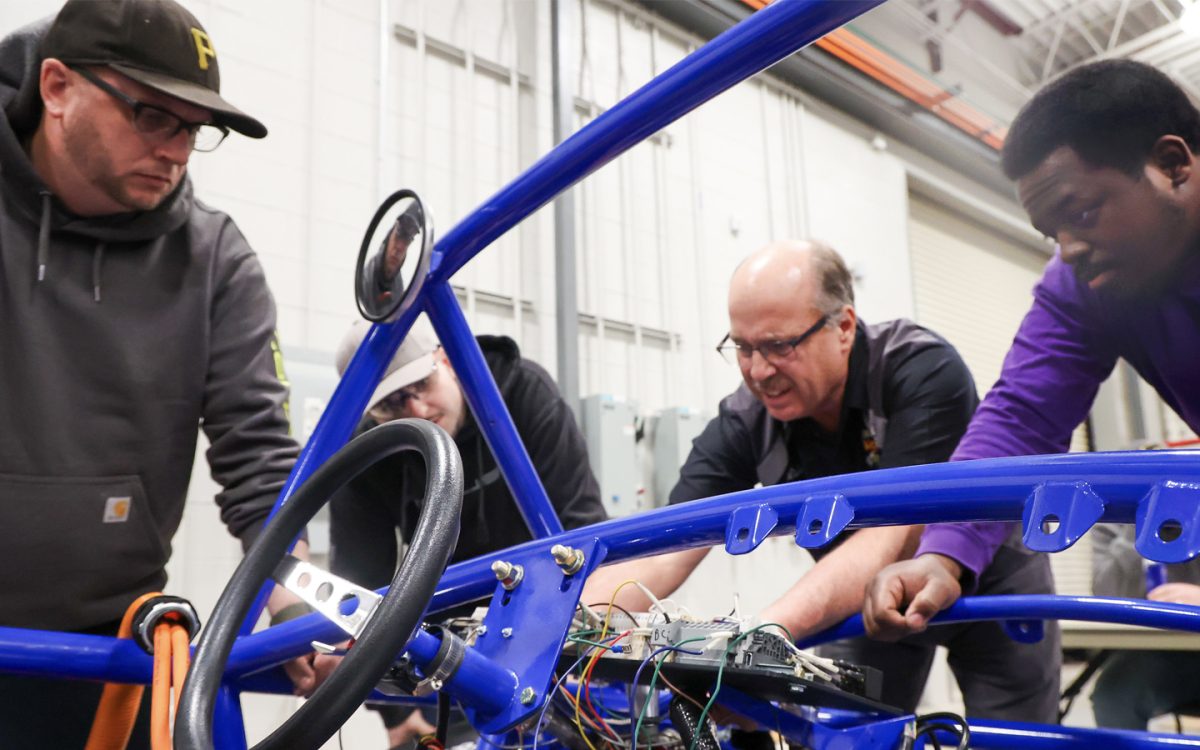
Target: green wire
604	646
637	729
721	672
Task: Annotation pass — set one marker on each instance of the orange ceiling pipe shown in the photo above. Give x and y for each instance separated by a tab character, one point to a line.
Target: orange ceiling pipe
865	57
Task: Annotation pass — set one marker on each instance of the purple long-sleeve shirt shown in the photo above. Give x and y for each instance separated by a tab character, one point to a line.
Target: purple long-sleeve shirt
1066	346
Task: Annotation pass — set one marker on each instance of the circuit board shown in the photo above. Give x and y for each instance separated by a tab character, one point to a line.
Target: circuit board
694	655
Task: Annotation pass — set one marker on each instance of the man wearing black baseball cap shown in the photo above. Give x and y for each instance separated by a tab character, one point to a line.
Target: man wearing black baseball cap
129	314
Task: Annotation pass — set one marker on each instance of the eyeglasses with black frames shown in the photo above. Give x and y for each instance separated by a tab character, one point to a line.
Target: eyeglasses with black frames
772	351
158	123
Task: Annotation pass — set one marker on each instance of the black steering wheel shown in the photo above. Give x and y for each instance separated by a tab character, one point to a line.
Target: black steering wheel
389	628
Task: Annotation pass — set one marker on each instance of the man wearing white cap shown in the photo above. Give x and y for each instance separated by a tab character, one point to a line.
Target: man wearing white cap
420	382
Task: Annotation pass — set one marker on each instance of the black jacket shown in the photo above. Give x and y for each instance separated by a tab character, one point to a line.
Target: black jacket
908	400
365	515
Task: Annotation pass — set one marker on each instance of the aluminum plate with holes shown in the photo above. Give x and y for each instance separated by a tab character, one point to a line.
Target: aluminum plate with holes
325	592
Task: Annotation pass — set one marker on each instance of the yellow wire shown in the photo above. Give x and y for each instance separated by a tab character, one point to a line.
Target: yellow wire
603	633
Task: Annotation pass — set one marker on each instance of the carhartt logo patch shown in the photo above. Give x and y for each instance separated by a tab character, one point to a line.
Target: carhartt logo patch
204	48
116	509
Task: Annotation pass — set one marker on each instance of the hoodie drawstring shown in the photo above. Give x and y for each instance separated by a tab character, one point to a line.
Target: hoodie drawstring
97	262
43	248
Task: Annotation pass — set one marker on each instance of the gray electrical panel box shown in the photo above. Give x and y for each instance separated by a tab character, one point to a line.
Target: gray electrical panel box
674	430
610	432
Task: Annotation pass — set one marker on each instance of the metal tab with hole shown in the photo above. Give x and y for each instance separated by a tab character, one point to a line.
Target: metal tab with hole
1057	514
748	526
328	594
1168	522
822	519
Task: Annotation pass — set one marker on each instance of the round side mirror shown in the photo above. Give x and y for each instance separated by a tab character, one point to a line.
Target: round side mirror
394	257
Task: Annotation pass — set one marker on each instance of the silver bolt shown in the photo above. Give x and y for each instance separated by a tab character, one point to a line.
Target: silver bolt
508	574
527	696
502	569
506	633
482	630
568	558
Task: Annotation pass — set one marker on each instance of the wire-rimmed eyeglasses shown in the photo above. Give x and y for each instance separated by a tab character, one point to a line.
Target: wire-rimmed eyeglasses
777	350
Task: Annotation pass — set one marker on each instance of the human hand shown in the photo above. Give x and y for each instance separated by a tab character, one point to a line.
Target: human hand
1176	593
323	665
905	595
302	674
284	606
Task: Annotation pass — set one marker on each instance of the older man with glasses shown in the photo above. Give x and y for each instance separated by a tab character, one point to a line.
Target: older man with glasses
823	394
421	383
132	315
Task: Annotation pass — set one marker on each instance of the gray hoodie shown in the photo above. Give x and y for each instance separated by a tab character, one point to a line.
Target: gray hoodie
143	327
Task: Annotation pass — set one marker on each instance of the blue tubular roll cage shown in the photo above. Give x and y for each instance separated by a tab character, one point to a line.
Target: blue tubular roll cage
1148	489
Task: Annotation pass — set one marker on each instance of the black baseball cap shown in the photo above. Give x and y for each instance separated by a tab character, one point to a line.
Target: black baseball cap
157	43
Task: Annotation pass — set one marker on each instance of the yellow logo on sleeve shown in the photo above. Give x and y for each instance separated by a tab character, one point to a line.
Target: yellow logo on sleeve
204	48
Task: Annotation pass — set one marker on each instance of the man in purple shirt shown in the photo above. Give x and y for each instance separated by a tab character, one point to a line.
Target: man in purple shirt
1105	163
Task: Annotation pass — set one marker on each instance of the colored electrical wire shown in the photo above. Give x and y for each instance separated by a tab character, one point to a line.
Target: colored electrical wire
721	672
603	632
584	689
537	730
681	693
637	729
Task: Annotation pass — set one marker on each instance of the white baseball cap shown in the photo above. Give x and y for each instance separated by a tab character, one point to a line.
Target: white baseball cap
415	359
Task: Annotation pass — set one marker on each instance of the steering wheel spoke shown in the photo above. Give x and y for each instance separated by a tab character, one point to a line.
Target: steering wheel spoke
342	602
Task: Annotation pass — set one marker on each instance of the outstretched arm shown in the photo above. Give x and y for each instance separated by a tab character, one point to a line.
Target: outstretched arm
662	574
1049	380
833	590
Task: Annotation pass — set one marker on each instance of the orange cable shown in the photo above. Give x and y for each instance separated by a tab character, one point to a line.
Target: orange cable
181	659
119	703
160	690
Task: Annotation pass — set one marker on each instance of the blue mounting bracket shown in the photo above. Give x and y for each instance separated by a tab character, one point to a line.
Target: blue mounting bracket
1058	513
822	519
519	631
748	526
1168	522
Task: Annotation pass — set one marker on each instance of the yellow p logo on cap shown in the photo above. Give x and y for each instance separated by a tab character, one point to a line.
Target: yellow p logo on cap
204	48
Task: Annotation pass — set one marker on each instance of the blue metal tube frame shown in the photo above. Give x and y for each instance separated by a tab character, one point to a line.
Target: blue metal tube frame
1002	735
489	409
1141	612
969	490
761	40
995	488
